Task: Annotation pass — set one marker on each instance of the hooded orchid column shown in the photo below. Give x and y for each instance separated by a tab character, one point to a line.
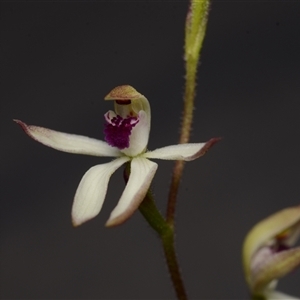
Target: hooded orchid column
128	127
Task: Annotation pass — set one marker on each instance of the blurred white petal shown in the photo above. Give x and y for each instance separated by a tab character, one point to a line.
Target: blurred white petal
67	142
274	267
141	175
274	295
185	152
92	189
265	232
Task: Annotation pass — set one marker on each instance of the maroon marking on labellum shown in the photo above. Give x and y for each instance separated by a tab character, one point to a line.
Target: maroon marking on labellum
117	131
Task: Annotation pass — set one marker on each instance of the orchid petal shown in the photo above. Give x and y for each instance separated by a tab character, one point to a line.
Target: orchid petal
92	189
67	142
141	175
265	230
185	152
274	267
275	295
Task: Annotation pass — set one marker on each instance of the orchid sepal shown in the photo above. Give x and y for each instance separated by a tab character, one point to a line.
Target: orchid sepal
187	152
67	142
142	172
91	191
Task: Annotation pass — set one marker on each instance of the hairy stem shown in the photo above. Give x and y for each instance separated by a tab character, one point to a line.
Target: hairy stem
173	266
194	34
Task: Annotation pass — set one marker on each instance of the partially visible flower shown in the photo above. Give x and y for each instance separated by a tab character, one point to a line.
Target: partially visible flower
268	253
126	134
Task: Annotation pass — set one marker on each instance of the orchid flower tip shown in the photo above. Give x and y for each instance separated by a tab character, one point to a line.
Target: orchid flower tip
210	143
21	124
75	224
109	223
216	139
115	221
18	121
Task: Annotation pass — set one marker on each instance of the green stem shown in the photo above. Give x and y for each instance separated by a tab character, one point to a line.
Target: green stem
194	34
152	215
166	233
173	266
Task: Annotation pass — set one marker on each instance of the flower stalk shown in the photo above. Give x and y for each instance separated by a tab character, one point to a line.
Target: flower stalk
195	28
155	219
166	234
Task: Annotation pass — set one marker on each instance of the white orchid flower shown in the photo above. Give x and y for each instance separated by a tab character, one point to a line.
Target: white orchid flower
268	254
126	134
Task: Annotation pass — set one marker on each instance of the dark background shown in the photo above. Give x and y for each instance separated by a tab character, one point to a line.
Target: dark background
59	60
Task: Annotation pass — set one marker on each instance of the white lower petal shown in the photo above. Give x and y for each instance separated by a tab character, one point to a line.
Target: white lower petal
141	175
92	189
67	142
274	295
185	152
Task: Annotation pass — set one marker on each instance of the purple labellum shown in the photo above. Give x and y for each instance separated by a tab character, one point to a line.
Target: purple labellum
117	130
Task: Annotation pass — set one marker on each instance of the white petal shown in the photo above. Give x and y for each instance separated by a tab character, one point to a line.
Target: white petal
185	152
92	189
142	173
274	295
67	142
